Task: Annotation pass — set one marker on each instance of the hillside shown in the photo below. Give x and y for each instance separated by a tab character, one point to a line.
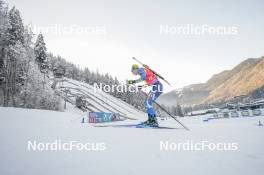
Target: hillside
243	79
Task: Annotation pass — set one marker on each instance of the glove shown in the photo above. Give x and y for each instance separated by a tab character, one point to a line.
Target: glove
131	81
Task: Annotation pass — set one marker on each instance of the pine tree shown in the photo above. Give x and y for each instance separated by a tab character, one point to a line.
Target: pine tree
179	110
12	50
15	31
40	54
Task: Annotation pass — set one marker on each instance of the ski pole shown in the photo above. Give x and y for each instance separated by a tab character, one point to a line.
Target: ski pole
171	116
140	88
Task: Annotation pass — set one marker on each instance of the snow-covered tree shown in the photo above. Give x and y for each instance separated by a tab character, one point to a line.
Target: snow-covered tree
15	28
33	95
40	54
12	48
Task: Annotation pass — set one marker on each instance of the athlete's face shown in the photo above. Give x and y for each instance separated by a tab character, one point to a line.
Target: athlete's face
134	71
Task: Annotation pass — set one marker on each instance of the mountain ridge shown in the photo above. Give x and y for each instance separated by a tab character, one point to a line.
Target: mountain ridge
242	79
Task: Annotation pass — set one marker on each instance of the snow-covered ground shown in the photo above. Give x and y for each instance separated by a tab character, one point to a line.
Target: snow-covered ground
127	150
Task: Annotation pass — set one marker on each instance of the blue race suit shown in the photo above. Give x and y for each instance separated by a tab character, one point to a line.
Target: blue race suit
155	92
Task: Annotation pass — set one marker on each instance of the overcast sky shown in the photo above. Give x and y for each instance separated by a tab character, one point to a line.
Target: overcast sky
118	30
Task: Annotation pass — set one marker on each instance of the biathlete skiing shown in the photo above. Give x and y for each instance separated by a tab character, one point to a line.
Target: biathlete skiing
156	90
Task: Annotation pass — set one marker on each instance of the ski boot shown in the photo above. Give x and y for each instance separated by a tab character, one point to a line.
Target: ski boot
152	121
148	121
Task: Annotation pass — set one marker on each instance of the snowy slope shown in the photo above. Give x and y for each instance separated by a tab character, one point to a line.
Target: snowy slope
99	101
128	150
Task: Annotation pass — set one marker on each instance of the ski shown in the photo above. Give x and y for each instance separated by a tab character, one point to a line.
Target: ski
140	125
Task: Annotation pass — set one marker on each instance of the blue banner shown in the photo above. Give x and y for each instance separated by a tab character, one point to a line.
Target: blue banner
102	117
